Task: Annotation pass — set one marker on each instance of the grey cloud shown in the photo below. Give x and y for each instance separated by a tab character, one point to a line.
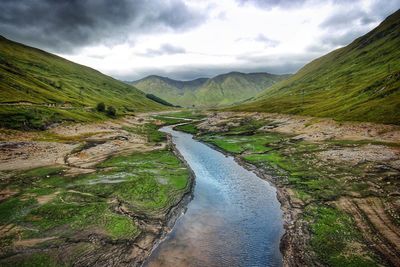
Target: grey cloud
267	41
165	49
349	22
62	26
330	40
273	3
347	16
191	72
344	19
281	64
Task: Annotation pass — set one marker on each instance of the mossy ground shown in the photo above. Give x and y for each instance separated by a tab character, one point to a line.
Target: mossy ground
316	183
179	117
48	203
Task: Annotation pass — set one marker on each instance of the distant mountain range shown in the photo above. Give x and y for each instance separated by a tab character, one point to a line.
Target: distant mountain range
358	82
224	89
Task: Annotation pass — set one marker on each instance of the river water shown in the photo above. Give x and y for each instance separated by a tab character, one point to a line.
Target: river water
234	218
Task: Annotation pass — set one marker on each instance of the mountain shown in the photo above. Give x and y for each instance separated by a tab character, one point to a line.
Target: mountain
221	90
38	88
360	81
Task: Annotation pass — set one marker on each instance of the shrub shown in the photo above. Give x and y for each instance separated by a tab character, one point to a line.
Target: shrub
101	107
111	111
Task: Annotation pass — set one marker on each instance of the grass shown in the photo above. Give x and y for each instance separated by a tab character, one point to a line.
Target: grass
149	130
358	82
333	234
187	128
295	165
147	183
42	80
237	144
34	260
179	117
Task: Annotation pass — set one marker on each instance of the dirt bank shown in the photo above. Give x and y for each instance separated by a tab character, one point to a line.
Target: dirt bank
319	165
76	150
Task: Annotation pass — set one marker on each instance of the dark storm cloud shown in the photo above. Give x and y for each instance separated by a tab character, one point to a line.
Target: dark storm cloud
62	26
165	49
290	4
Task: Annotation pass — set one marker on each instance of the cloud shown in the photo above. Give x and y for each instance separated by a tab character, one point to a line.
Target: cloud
348	22
340	39
275	64
345	18
267	41
62	26
347	15
191	72
164	49
268	4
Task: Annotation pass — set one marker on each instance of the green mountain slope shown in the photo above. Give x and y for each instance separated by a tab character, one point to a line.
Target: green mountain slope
221	90
358	82
37	88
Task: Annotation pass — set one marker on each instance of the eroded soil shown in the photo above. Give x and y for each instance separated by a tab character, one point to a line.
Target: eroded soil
338	182
98	194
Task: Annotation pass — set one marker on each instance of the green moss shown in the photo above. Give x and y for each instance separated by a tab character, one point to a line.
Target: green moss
238	144
13	210
333	232
33	260
187	128
149	130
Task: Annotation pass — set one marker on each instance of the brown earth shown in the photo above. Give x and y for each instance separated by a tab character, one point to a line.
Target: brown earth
378	148
78	148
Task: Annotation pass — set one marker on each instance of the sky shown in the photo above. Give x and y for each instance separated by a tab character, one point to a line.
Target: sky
187	39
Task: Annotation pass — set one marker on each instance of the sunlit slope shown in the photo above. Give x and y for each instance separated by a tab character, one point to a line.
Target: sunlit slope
221	90
32	76
358	82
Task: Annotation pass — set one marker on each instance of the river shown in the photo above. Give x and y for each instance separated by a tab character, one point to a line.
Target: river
234	218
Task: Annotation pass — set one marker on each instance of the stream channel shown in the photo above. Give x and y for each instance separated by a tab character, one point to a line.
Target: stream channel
234	218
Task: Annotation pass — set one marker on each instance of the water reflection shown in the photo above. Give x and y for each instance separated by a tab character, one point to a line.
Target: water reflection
234	218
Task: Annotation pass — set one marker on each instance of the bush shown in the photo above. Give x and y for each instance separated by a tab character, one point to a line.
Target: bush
101	107
111	111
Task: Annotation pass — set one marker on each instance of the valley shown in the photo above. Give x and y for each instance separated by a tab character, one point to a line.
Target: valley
222	163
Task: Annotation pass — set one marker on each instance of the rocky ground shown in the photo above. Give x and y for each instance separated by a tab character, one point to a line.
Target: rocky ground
88	194
338	182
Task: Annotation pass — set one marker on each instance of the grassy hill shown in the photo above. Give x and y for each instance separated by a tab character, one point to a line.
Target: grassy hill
358	82
221	90
38	88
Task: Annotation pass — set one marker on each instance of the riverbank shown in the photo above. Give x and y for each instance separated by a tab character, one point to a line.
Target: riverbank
337	182
99	194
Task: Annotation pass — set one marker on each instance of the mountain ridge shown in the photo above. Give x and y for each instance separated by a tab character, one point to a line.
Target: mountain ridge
359	82
52	88
222	89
